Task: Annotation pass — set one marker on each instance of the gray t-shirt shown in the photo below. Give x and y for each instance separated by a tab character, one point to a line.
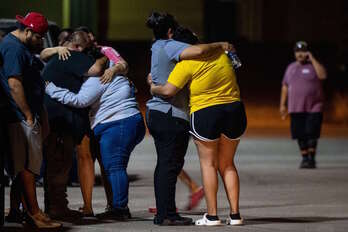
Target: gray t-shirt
165	54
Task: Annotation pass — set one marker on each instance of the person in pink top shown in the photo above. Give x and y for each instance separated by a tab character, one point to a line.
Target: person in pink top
87	157
88	150
110	53
302	91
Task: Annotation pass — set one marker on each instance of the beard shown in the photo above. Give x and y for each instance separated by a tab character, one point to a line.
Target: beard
34	46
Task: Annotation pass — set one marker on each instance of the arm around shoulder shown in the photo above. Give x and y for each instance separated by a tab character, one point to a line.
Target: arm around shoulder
97	69
165	91
205	50
90	91
47	53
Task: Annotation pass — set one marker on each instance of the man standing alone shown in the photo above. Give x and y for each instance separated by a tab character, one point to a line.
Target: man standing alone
22	86
302	87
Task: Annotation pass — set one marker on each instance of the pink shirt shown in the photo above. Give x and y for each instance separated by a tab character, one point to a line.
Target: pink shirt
305	92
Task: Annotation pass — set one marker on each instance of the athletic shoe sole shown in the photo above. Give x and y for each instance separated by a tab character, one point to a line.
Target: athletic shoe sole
234	222
206	222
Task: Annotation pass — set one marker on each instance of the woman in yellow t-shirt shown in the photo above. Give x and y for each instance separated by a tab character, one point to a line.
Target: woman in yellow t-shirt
218	121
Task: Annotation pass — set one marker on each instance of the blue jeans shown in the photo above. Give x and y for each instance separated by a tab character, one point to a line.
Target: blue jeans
117	140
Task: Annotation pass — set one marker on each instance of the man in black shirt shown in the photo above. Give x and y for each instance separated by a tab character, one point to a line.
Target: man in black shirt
68	125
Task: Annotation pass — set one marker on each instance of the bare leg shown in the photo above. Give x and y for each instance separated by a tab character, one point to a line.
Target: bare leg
196	192
184	177
86	173
208	157
228	171
29	189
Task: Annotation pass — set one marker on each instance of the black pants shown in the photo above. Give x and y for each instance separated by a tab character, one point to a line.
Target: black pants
171	137
306	126
59	150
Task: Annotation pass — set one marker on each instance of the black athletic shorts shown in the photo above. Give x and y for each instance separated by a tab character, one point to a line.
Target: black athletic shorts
210	123
306	125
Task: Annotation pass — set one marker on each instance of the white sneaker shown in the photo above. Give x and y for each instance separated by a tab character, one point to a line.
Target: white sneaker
234	222
206	222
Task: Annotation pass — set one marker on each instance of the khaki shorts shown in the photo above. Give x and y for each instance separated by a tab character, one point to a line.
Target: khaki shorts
25	147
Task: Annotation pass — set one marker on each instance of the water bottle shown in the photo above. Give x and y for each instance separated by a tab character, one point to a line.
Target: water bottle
234	58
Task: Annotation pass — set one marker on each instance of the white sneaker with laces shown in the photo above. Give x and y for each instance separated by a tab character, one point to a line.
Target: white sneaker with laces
206	222
234	222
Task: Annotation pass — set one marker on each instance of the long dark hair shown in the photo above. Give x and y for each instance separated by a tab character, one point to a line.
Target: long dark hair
185	35
160	24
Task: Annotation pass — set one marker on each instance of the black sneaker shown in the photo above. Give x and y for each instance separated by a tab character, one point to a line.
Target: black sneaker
305	164
15	216
119	214
108	208
175	220
312	163
64	214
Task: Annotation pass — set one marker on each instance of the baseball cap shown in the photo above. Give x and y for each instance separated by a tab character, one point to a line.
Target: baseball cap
301	46
35	21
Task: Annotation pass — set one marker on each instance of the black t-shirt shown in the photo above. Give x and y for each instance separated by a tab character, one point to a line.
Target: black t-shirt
35	86
18	61
67	74
8	107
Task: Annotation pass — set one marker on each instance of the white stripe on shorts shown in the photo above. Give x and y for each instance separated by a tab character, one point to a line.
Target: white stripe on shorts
194	132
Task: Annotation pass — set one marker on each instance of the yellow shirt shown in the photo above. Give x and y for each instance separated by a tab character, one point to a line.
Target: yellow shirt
211	82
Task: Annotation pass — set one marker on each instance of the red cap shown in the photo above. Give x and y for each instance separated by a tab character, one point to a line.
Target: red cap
37	22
